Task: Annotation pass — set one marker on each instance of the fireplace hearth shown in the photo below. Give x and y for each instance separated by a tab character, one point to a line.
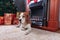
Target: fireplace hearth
39	13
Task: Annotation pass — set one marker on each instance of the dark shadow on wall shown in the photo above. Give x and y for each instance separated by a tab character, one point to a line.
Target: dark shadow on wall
20	4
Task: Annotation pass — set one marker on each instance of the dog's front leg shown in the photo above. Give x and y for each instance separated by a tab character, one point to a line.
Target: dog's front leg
28	29
18	25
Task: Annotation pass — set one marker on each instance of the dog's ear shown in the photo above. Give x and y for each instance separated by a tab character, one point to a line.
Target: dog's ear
17	15
27	17
26	13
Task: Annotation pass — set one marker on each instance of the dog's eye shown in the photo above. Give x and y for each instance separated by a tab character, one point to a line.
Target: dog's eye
19	16
23	16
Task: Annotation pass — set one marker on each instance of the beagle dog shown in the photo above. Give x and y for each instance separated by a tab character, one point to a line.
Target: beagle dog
24	22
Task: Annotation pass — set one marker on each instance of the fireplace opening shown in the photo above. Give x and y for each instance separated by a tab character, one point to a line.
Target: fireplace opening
39	15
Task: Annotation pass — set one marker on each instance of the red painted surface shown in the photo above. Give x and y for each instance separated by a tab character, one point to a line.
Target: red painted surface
1	20
28	1
8	18
15	20
35	1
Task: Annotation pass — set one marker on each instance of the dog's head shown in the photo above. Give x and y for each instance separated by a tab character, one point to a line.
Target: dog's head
23	17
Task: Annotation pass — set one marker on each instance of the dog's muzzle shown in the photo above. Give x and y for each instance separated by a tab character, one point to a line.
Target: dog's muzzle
20	20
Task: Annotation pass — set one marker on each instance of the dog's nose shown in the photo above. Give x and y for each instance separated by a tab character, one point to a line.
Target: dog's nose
20	20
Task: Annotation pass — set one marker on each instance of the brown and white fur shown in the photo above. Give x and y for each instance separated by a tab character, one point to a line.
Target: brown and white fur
24	22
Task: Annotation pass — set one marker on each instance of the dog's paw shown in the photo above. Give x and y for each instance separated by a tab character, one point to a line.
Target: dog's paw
26	33
18	26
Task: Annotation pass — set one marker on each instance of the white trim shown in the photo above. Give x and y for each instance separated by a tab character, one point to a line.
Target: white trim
31	2
39	0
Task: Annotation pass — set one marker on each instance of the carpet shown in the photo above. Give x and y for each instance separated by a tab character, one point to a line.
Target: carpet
13	33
